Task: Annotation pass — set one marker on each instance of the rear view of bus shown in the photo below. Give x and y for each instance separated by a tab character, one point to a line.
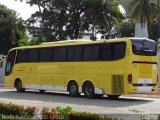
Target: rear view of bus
144	66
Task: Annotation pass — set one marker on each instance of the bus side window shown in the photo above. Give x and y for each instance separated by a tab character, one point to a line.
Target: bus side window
74	53
106	51
22	56
119	50
91	52
10	62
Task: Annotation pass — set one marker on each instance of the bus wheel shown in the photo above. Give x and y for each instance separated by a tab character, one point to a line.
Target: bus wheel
113	97
73	89
89	90
41	91
18	86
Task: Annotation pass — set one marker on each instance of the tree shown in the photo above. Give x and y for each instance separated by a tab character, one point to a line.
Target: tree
126	28
11	29
102	15
62	19
142	11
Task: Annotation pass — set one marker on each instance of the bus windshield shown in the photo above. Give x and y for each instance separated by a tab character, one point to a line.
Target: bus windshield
144	47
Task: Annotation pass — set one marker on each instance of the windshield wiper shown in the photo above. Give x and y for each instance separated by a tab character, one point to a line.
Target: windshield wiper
151	51
148	52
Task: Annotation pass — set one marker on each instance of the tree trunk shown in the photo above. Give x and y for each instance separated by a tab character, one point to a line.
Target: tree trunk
141	29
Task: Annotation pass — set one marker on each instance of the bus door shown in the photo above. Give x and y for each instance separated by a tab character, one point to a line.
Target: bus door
9	67
23	68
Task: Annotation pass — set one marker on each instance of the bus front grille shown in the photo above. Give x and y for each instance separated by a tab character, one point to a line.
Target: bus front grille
117	84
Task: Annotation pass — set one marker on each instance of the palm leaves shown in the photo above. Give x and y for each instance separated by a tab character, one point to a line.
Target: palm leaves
102	15
143	10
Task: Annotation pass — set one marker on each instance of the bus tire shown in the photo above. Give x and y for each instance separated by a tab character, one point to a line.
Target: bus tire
88	90
18	85
113	97
73	89
42	91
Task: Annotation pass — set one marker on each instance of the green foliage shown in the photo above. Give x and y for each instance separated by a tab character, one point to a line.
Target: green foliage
23	42
159	117
64	111
60	19
126	28
16	110
13	111
153	30
135	111
35	41
102	15
60	113
52	114
142	9
83	116
11	29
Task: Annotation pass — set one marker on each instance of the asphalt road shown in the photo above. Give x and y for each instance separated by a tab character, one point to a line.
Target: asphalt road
123	105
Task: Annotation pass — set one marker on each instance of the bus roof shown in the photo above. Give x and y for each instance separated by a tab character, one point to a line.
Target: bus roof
74	42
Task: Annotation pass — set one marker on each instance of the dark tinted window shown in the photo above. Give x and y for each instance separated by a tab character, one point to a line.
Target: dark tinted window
22	56
59	54
119	50
144	47
74	53
33	55
106	51
10	62
91	52
113	51
45	54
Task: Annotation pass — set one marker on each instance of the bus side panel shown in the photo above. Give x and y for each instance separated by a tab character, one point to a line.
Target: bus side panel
22	72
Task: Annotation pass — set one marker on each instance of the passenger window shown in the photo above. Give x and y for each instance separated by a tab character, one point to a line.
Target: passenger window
74	53
46	54
106	51
59	54
91	52
119	50
113	51
33	55
22	56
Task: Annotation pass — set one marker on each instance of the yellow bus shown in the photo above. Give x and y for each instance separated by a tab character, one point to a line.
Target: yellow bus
105	67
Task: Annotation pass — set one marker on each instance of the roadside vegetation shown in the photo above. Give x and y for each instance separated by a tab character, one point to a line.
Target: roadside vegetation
19	112
13	111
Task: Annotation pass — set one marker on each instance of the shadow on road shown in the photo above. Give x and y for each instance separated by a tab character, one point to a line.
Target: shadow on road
65	98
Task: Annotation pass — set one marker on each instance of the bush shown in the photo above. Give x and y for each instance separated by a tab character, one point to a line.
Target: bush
64	112
17	110
50	114
83	116
12	111
158	117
